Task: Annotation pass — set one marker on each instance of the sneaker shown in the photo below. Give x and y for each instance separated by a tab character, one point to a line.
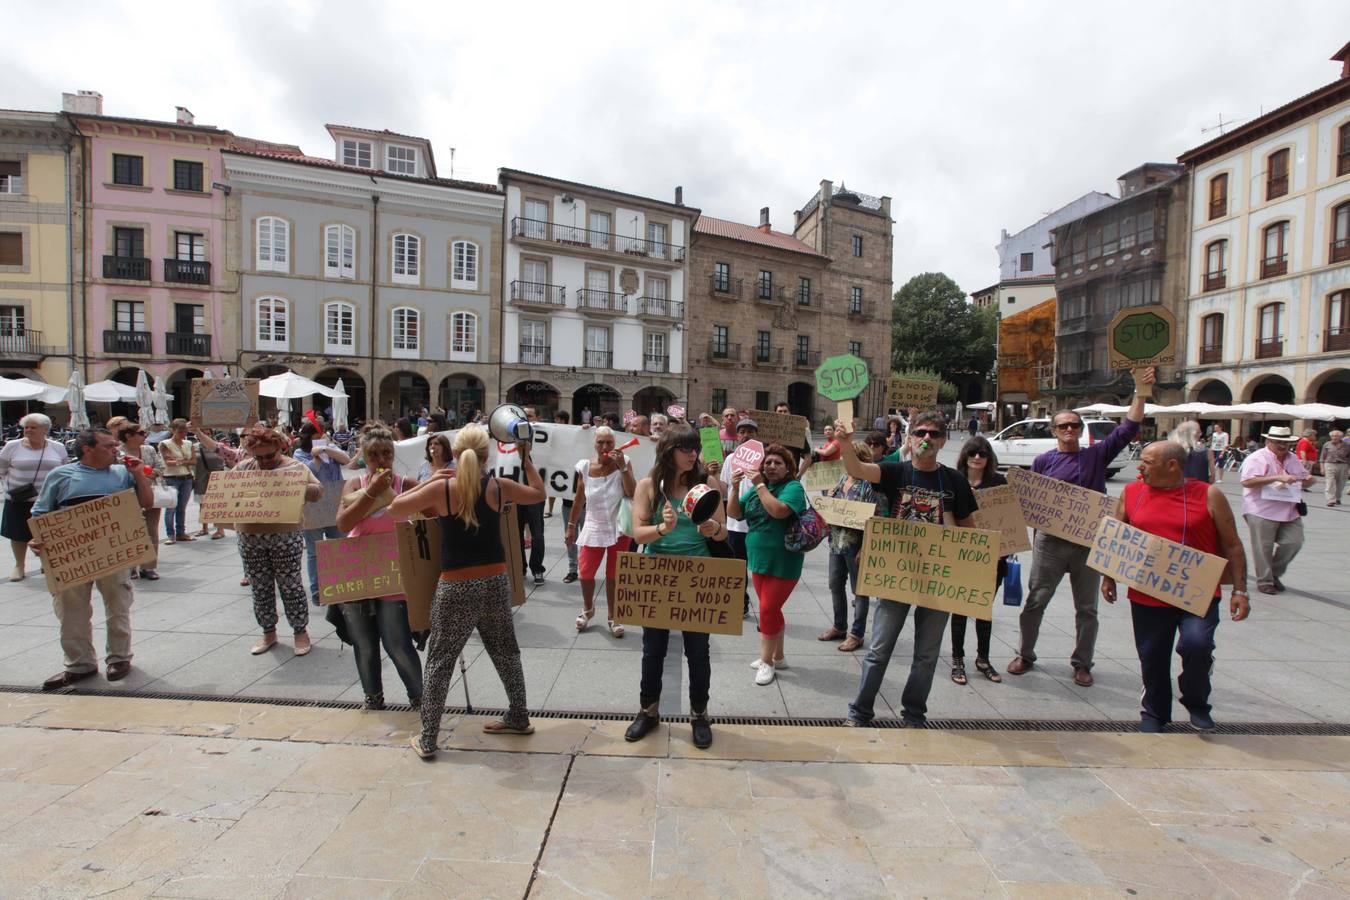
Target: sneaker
1150	725
538	578
777	664
764	674
1201	721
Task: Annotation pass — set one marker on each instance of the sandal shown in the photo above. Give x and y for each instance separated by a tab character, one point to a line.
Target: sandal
989	671
959	671
217	534
501	726
615	630
244	582
585	619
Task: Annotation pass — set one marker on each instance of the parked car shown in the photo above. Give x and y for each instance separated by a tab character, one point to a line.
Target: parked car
1021	442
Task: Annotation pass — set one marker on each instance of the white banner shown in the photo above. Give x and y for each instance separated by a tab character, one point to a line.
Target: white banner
557	450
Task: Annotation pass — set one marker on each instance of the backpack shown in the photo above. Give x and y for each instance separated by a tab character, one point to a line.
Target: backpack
805	532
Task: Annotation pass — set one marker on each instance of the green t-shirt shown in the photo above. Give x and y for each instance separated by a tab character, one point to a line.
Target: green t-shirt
682	540
764	548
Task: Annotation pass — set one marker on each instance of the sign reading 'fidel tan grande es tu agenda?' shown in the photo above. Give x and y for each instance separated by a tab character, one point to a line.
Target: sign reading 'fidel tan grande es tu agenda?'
1001	511
224	402
83	543
844	513
1057	507
936	566
684	593
902	393
255	496
358	568
1171	572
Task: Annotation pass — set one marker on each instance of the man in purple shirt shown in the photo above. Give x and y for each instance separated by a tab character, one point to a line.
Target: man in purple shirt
1054	557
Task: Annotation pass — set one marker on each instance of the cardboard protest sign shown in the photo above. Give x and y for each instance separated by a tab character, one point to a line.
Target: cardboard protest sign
823	475
843	411
685	593
1001	511
844	513
255	496
1165	570
358	568
944	568
747	457
224	402
1057	507
99	537
322	513
675	411
841	377
711	439
902	393
1140	337
419	563
781	428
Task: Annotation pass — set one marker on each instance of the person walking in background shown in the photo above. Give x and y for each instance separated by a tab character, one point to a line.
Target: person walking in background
24	466
1306	451
895	434
845	546
1271	478
603	483
775	498
437	454
180	457
208	461
979	463
1335	460
974	426
326	463
132	438
229	458
532	520
1218	448
1199	461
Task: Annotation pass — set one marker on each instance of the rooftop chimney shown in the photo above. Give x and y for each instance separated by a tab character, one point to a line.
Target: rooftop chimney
83	103
679	195
764	225
185	116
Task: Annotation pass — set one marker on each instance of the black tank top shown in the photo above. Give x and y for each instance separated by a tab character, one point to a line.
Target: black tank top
463	546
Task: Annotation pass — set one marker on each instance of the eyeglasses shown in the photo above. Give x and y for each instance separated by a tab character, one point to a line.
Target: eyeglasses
977	453
1069	426
926	433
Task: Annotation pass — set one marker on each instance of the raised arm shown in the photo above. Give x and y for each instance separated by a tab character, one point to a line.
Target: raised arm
532	491
856	468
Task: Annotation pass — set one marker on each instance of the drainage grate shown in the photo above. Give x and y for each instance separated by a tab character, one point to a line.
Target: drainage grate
1290	729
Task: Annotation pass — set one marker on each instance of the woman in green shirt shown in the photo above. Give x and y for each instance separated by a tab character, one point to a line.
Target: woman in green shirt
661	524
775	570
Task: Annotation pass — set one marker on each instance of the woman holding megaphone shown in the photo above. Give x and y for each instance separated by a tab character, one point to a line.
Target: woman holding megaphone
474	590
602	484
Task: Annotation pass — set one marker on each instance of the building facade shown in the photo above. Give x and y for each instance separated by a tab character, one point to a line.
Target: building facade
1269	280
40	254
368	268
766	307
1016	294
1026	361
593	297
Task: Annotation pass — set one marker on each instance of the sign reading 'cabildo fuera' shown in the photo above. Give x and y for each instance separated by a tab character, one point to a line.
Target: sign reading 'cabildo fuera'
83	543
950	569
1171	572
686	593
255	496
1065	510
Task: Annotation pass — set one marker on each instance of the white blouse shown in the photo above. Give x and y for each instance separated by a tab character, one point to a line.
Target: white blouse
602	507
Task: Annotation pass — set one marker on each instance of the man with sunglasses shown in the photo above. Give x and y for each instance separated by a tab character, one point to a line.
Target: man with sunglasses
921	490
1053	557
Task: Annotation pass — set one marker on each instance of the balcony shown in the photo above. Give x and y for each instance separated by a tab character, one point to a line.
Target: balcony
592	300
573	236
599	359
11	184
535	293
1074	324
768	356
1266	348
861	310
767	293
1337	339
127	268
723	353
120	342
187	271
659	308
726	288
806	359
1216	281
1218	208
186	343
1274	265
655	363
20	343
1211	353
534	354
807	299
1340	250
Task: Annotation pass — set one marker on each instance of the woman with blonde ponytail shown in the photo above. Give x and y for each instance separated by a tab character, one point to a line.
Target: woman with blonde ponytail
474	590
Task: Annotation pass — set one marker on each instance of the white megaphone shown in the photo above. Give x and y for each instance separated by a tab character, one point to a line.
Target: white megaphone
508	424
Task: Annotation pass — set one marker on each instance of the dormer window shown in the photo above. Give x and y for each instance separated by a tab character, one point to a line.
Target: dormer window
356	153
400	160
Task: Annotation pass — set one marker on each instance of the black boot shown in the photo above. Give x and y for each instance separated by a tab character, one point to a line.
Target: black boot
702	729
646	720
374	701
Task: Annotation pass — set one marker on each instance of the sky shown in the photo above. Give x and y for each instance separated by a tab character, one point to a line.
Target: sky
972	117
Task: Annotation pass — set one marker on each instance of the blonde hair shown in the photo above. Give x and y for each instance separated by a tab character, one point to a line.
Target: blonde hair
604	431
471	451
864	452
1187	434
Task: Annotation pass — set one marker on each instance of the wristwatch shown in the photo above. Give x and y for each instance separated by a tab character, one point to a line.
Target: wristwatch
1242	594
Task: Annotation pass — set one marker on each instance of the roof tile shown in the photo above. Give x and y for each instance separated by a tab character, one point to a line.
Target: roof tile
749	233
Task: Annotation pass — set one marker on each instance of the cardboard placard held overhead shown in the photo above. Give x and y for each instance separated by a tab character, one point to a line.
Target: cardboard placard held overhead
255	496
748	457
99	537
1142	336
823	475
944	568
1057	507
358	568
902	393
841	377
1165	570
711	439
1001	511
224	402
683	593
322	513
781	428
844	513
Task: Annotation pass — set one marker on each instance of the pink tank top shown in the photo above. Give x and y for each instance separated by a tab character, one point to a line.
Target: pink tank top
380	523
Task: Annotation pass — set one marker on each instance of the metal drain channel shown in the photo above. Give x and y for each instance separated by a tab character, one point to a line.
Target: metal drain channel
1268	729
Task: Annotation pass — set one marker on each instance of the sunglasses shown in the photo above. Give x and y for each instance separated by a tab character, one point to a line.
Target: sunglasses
974	453
689	448
926	433
1070	426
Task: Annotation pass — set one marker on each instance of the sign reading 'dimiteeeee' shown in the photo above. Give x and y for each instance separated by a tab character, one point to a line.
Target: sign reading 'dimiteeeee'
844	513
83	543
841	377
902	393
255	496
1001	511
358	568
944	568
823	475
781	428
684	593
224	402
1065	510
1165	570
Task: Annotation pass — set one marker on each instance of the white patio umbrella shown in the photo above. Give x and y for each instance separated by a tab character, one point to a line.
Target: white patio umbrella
144	401
109	392
79	419
339	405
21	389
161	401
290	386
986	406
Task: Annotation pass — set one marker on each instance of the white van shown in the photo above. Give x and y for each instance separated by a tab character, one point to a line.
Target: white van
1020	443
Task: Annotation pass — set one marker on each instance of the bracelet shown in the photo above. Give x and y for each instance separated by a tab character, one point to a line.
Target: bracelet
1242	594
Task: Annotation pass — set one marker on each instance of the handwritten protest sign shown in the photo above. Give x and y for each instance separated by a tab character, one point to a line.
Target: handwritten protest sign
358	568
823	475
949	569
419	563
255	496
224	402
748	457
83	543
1171	572
1001	511
322	513
902	393
1057	507
844	513
781	428
711	439
841	377
686	593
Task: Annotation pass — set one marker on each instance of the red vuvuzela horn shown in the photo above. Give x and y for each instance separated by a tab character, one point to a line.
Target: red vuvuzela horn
633	442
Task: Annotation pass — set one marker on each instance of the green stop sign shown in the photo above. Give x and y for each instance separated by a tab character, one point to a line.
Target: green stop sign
841	377
1141	335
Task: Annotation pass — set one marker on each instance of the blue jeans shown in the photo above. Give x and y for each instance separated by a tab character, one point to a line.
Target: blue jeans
372	622
572	547
312	537
736	541
844	567
175	520
929	626
1156	630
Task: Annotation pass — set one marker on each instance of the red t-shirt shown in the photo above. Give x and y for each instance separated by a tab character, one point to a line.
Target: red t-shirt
1178	514
1306	451
830	451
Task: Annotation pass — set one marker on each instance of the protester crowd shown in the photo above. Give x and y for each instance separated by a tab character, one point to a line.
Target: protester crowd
893	467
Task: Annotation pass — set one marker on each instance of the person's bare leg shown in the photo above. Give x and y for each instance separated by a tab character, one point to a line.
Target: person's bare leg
20	549
767	648
609	597
778	646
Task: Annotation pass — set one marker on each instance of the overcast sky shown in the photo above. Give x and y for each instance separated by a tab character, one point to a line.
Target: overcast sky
972	116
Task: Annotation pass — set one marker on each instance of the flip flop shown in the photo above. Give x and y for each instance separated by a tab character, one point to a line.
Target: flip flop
501	726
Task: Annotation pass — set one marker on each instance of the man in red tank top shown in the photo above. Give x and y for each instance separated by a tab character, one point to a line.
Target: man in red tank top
1196	514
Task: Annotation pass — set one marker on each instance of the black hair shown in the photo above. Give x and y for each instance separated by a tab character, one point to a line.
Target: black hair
929	417
88	439
308	431
664	471
970	446
404	427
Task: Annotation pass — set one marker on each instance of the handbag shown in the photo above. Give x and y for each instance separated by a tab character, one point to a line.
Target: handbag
27	493
165	497
1012	583
805	532
1301	507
